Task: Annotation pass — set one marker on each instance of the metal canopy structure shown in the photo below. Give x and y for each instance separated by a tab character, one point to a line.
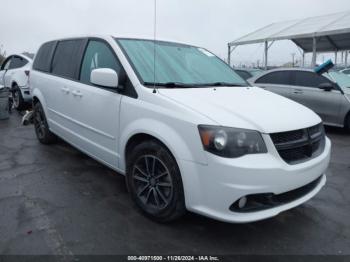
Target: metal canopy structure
328	33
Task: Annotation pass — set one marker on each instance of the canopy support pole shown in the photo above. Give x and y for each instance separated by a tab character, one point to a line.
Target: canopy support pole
336	57
230	49
342	57
346	58
303	57
266	53
314	52
229	54
302	53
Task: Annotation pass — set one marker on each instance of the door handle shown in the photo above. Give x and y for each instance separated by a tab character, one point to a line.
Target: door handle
65	90
77	93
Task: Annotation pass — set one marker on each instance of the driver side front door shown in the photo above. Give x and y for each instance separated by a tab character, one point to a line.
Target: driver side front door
94	110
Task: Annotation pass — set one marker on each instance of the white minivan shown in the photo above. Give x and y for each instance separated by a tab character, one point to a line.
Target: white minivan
186	131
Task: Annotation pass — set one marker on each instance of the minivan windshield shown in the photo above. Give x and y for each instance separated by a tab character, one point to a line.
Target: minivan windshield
177	65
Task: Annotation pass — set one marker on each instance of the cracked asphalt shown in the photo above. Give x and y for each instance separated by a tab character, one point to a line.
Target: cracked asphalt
56	200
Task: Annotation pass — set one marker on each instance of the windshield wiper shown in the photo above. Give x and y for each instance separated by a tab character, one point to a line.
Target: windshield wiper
183	85
222	84
170	84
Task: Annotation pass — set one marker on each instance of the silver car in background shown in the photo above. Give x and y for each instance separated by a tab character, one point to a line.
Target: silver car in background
247	73
328	94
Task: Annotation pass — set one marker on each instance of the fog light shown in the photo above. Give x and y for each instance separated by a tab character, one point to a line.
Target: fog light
242	202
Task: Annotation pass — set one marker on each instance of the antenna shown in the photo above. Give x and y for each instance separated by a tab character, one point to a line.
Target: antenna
154	46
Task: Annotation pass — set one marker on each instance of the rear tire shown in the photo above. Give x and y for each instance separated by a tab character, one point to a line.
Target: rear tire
42	131
154	181
17	99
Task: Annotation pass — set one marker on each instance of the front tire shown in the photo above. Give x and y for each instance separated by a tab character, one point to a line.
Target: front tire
154	182
42	131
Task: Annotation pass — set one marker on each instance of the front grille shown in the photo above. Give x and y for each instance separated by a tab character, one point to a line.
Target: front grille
300	145
285	137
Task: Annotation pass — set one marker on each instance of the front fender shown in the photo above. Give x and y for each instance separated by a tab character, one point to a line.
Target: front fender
190	150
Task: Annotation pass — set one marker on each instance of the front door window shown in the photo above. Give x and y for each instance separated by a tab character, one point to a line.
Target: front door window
97	55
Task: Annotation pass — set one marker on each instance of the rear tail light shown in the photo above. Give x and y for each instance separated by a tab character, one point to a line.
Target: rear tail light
27	72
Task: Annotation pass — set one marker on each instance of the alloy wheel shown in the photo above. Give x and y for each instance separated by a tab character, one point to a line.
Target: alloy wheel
15	97
39	123
152	181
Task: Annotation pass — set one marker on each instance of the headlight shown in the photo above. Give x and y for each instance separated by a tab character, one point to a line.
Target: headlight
231	142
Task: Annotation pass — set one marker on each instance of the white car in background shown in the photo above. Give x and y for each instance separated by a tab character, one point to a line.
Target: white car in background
14	74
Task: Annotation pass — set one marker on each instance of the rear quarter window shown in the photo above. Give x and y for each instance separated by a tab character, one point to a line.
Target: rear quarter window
42	61
309	79
276	78
18	62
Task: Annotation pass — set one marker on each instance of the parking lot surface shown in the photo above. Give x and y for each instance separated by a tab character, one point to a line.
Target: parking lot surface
56	200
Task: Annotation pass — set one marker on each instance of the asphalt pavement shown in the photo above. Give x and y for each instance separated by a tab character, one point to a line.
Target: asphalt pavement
56	200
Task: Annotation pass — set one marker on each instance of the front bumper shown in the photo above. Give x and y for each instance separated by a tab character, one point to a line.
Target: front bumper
211	189
27	96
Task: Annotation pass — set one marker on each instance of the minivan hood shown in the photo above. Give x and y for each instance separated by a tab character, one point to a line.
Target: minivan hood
245	107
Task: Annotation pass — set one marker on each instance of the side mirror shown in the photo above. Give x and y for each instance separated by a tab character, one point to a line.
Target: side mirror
326	86
104	77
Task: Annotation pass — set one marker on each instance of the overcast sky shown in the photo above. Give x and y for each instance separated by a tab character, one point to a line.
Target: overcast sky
25	24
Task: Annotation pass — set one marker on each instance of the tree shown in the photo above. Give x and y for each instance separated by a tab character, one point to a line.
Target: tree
2	54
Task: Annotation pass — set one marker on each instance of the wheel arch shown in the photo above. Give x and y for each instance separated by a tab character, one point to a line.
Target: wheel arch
139	138
37	97
35	100
19	78
163	133
13	84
